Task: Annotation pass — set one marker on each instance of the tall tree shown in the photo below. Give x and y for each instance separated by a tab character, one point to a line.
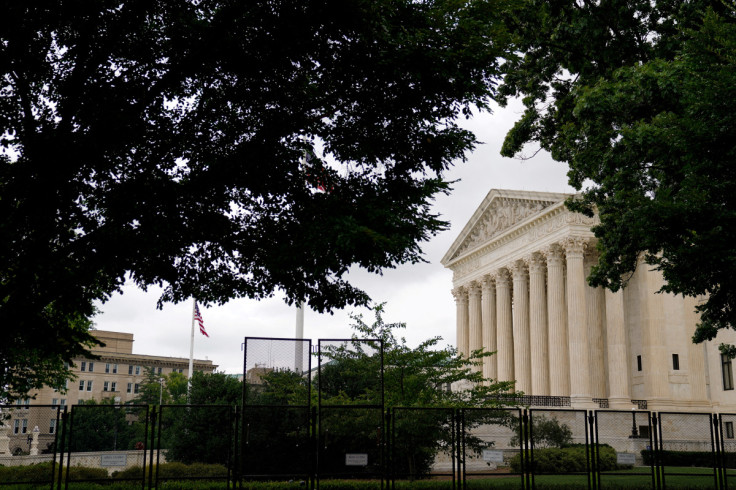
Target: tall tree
638	97
165	141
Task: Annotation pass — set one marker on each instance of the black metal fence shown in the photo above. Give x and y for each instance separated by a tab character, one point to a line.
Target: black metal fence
516	447
286	431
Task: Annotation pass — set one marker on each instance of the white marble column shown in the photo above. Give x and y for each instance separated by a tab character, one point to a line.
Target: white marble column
580	392
522	347
559	357
461	308
488	308
475	331
538	326
595	319
619	392
504	327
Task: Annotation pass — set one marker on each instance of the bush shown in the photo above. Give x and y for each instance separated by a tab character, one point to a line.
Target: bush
567	460
702	459
176	470
40	472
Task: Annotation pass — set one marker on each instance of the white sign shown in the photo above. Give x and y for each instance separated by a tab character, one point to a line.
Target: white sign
492	456
356	459
626	458
113	460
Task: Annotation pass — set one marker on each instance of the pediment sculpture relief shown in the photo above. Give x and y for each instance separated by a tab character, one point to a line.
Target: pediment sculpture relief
501	215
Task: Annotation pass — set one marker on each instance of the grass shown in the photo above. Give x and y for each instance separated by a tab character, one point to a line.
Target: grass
678	478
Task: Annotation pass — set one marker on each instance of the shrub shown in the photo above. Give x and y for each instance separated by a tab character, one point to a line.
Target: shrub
176	470
567	460
688	458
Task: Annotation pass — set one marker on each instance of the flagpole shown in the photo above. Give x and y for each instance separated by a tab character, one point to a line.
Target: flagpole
191	350
299	350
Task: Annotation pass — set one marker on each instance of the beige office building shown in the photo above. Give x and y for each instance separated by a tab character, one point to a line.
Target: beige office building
117	374
519	269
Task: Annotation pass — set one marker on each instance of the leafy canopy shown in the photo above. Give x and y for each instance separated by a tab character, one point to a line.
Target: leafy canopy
638	98
165	141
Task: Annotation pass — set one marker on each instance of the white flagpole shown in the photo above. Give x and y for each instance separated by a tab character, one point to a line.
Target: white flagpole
299	351
191	351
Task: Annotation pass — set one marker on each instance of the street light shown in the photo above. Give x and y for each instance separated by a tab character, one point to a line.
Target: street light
161	391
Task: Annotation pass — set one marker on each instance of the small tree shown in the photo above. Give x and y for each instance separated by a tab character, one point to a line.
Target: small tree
412	378
202	434
545	433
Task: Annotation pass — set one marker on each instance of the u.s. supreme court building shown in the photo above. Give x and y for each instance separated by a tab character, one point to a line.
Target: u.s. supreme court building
519	282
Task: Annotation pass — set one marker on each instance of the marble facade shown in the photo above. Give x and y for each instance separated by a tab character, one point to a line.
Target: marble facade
519	283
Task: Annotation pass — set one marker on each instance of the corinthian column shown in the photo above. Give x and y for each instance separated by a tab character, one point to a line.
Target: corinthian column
580	395
504	327
522	349
488	318
538	326
595	317
475	341
559	357
461	308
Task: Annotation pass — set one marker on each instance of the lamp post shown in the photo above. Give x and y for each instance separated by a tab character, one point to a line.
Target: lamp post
161	391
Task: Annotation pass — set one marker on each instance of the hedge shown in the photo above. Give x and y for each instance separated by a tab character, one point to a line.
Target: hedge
567	460
688	458
41	472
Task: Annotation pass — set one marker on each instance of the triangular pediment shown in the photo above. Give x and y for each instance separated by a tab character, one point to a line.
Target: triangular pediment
499	212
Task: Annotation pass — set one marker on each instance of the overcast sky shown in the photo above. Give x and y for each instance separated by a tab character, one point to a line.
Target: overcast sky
418	295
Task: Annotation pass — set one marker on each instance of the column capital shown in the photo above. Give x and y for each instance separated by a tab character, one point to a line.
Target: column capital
460	294
503	277
574	246
553	254
518	269
487	283
474	288
535	262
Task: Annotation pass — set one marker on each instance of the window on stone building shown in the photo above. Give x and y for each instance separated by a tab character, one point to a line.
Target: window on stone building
106	386
114	369
20	426
91	367
727	371
130	369
107	368
81	385
137	387
83	366
137	370
62	402
114	386
52	426
729	430
89	385
676	362
54	402
130	387
638	363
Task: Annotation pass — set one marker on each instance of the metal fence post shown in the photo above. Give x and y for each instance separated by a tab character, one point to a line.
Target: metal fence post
64	421
151	446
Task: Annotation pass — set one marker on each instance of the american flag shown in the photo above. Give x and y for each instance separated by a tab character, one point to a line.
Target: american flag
198	318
